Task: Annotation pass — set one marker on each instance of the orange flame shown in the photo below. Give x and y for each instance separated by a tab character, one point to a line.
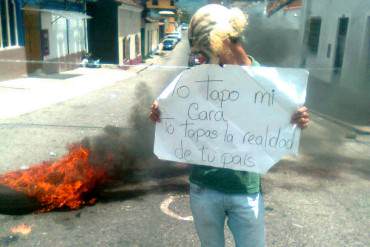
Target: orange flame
62	183
21	229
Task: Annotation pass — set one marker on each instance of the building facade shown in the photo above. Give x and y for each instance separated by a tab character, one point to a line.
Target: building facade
166	12
11	40
43	36
129	32
150	37
115	31
55	33
335	37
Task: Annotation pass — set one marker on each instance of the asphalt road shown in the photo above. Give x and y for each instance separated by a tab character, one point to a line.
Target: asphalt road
320	198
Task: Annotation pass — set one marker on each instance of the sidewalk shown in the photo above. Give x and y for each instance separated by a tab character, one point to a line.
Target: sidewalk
23	95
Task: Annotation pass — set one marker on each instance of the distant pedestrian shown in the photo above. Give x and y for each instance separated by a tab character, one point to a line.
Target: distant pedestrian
217	194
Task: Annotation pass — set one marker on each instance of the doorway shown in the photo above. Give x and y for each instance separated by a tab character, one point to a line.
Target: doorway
32	26
340	47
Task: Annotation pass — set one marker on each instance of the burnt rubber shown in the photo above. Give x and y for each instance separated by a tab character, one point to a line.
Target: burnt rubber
16	203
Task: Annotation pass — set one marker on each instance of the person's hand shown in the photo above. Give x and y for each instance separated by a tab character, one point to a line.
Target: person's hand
155	114
301	117
234	53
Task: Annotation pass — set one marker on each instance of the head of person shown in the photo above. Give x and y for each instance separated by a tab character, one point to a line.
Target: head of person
211	26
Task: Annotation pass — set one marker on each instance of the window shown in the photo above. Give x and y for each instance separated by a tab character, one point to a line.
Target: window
314	34
172	2
8	24
155	2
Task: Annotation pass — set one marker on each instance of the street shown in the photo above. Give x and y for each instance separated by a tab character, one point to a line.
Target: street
320	198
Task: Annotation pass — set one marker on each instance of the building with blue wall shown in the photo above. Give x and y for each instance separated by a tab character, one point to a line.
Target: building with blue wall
11	38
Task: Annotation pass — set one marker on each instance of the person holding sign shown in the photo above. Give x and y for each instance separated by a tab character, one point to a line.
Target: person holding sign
217	193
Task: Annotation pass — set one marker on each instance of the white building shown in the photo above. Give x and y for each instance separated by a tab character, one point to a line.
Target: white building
335	38
54	33
150	33
66	31
129	32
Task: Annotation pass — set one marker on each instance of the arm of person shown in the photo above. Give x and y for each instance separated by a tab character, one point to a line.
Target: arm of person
155	113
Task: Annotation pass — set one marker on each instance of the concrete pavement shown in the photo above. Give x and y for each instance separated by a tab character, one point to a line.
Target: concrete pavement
28	94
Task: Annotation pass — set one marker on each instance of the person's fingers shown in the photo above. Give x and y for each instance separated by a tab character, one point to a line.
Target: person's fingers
302	112
303	126
154	116
226	56
154	106
300	119
154	110
239	54
298	116
303	108
303	123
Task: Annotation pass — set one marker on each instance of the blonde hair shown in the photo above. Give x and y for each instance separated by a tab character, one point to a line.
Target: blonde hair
211	25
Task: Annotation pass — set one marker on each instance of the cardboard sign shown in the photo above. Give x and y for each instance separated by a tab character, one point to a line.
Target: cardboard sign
231	117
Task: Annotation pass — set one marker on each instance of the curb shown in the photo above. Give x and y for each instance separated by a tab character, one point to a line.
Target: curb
144	68
362	130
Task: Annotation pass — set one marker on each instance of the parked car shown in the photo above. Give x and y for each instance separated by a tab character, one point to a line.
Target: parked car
169	44
173	36
184	26
88	61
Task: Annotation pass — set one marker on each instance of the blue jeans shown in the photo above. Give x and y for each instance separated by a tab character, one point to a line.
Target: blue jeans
244	213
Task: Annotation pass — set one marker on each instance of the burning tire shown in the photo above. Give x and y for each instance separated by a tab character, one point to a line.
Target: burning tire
14	203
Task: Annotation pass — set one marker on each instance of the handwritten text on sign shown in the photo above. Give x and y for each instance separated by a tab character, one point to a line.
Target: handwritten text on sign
231	117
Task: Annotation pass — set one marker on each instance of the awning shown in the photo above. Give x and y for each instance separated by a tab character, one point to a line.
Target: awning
62	13
166	12
151	20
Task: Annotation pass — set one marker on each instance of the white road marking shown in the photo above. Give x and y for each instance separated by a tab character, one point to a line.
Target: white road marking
165	209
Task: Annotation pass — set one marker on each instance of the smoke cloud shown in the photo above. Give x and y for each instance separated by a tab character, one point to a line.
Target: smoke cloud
121	149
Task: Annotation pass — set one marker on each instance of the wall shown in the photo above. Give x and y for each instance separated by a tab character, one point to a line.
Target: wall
12	41
57	28
62	43
129	26
151	37
355	48
12	70
63	47
76	36
347	97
